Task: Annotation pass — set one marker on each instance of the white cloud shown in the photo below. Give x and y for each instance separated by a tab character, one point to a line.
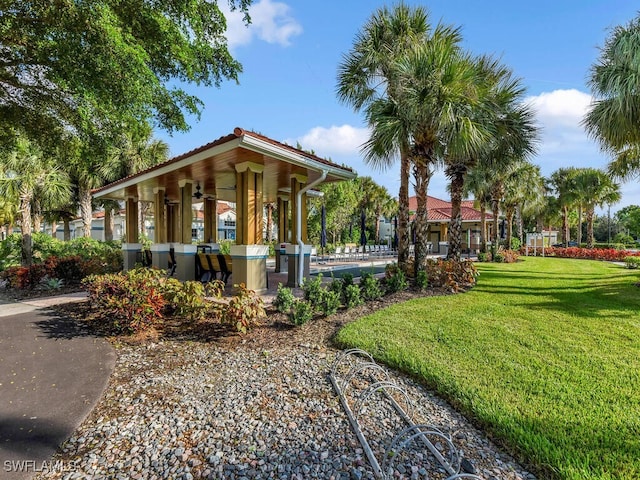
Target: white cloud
340	140
270	22
561	107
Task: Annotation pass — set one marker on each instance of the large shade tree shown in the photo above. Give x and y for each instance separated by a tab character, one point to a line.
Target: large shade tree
367	75
109	62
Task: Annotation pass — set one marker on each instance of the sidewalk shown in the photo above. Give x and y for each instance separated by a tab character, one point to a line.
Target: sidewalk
52	373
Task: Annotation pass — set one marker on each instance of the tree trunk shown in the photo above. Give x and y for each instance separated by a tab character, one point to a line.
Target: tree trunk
565	225
590	214
496	196
377	228
455	226
86	212
403	211
520	225
26	229
483	228
509	213
108	224
422	176
54	228
579	225
66	229
36	215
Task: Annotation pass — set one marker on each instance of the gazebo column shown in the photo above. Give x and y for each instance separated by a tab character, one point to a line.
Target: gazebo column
131	248
185	252
160	248
173	223
211	223
249	255
293	250
283	230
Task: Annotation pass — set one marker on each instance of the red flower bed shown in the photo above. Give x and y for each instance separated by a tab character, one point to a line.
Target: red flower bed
605	254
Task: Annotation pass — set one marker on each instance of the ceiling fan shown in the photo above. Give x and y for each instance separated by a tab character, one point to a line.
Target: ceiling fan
198	195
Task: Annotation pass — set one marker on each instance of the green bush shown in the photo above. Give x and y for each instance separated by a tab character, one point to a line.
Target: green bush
484	257
498	257
189	299
632	262
225	246
370	287
284	299
352	296
301	312
312	290
329	302
395	278
422	280
515	243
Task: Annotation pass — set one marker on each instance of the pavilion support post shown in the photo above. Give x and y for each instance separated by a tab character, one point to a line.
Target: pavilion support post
249	255
173	223
283	233
297	182
210	220
186	214
131	249
160	218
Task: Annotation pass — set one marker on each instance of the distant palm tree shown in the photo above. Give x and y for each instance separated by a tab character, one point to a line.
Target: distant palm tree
367	77
478	183
23	172
563	183
595	188
524	186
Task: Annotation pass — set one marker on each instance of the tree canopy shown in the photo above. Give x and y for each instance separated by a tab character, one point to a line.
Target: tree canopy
89	65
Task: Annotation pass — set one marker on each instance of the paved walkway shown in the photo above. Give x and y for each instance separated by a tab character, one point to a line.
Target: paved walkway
52	373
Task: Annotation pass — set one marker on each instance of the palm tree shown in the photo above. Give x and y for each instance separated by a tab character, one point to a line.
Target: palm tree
478	183
524	185
563	183
595	188
367	74
498	91
23	172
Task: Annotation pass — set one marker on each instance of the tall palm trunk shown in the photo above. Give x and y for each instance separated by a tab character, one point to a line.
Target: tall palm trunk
54	229
108	224
520	225
86	212
483	227
579	224
496	194
565	225
422	177
403	211
456	174
66	229
26	228
590	215
509	213
36	215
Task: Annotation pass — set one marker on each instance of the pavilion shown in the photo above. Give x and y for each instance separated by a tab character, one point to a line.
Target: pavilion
244	167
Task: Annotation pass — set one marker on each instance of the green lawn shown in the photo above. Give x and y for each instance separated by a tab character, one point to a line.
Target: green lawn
543	353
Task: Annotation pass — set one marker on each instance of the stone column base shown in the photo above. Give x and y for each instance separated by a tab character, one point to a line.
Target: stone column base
293	254
130	252
250	266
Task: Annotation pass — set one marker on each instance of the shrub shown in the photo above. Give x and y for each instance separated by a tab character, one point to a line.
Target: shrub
395	278
451	274
498	257
131	301
312	290
632	262
422	280
347	279
509	256
484	257
284	299
244	309
515	243
352	296
188	299
70	269
336	286
329	302
301	312
370	287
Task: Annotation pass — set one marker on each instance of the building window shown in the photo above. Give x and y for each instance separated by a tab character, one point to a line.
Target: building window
229	223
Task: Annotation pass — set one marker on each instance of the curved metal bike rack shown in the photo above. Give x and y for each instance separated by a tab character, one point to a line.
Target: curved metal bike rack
354	367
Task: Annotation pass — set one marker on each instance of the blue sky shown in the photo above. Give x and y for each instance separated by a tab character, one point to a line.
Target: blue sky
291	52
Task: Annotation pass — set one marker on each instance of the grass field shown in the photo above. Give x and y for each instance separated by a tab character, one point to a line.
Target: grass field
544	354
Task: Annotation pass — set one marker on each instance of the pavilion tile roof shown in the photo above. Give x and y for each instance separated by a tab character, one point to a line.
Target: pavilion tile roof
439	210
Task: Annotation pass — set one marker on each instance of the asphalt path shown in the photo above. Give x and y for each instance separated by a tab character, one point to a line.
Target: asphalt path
52	373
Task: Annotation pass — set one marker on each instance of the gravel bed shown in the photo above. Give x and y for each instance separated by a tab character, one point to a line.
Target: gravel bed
184	409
